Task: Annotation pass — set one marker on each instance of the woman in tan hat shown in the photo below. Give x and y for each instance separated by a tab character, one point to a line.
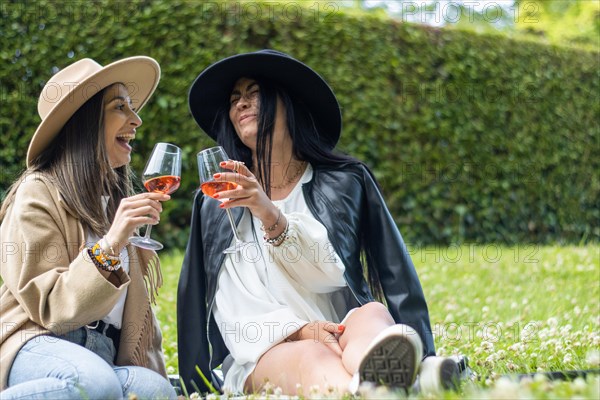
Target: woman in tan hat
294	306
75	305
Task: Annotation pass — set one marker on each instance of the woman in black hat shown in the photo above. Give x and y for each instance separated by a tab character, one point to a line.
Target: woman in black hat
293	307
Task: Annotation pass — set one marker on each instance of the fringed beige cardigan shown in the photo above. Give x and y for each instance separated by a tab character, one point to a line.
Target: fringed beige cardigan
51	285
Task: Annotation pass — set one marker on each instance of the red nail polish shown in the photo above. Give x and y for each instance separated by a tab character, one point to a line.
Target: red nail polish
216	196
221	205
216	176
341	328
222	163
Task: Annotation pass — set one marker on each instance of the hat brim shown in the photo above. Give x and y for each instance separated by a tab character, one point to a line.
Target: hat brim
139	74
211	90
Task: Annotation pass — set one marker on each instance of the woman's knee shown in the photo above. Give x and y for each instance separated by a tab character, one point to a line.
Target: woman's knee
98	381
79	369
371	310
144	383
363	324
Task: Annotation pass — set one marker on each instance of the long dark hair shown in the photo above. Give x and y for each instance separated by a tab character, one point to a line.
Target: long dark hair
307	144
77	163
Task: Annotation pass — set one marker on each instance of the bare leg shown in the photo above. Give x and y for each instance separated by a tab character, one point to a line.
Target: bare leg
361	328
305	362
308	363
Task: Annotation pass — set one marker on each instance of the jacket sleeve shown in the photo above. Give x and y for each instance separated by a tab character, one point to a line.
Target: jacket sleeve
192	337
386	251
57	292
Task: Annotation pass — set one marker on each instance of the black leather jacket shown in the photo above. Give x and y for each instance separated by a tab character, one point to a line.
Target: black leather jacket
347	201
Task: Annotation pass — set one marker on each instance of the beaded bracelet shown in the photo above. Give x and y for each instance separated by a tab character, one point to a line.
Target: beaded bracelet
102	260
105	245
274	226
277	240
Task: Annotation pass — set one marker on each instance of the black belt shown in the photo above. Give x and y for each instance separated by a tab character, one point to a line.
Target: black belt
108	330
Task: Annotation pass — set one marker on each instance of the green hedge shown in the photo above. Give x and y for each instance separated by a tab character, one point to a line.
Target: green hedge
473	138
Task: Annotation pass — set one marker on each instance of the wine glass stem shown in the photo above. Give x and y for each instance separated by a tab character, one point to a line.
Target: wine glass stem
148	230
232	222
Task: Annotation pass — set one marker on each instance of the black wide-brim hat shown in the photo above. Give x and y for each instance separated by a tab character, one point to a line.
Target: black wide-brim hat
211	90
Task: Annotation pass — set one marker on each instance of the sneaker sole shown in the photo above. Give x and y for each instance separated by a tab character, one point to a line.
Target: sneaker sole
438	374
392	362
449	375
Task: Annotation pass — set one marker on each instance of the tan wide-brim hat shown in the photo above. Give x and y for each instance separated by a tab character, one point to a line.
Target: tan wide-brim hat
71	87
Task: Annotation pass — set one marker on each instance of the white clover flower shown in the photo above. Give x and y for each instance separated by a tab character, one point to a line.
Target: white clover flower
593	358
567	359
553	322
170	370
194	396
565	329
267	388
505	389
366	389
558	348
487	345
211	396
278	391
579	385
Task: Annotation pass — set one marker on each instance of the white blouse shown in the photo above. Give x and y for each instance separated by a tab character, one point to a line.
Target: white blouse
266	293
115	316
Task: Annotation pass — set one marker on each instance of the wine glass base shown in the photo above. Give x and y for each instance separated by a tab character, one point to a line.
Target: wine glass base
234	248
145	243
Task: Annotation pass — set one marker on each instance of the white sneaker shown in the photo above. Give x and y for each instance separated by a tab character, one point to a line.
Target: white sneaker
438	374
392	359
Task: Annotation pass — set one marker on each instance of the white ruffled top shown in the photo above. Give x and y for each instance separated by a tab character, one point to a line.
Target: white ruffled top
266	293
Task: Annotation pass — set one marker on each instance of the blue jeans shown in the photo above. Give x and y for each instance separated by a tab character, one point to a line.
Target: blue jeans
79	365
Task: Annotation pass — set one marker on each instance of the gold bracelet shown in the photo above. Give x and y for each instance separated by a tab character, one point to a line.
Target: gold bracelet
105	244
277	240
274	226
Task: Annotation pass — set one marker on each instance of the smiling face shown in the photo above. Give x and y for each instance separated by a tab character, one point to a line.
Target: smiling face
244	106
245	112
120	123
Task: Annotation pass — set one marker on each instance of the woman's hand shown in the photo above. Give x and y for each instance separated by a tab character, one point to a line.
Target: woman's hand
326	332
248	193
134	211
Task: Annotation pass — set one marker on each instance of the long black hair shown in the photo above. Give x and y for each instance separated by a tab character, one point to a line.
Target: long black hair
307	144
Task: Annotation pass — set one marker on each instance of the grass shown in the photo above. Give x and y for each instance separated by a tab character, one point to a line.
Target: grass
522	309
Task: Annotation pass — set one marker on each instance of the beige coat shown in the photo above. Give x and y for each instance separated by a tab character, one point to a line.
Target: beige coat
51	285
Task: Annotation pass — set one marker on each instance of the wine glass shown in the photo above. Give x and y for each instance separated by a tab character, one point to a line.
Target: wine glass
209	161
161	175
